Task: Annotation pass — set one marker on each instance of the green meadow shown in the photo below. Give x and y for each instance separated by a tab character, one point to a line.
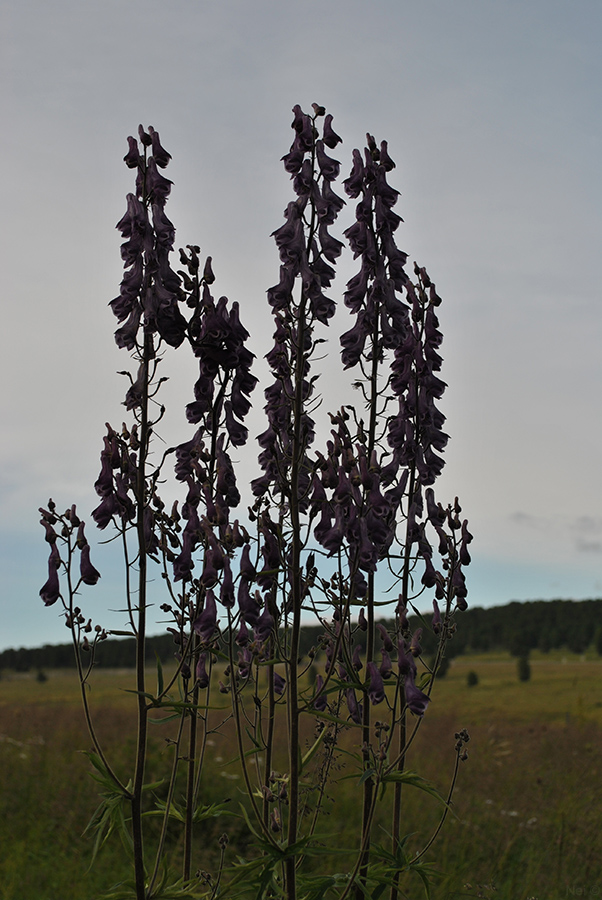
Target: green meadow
527	810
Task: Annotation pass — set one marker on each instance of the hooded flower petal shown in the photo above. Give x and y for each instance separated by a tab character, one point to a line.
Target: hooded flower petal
50	592
376	689
417	701
89	574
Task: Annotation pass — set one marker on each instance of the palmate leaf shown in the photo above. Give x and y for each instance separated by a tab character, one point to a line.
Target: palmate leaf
393	864
109	817
178	890
200	813
317	887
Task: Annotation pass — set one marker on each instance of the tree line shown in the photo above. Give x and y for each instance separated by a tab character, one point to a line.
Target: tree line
515	627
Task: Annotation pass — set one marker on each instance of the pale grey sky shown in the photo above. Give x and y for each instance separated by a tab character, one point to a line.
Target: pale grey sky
492	113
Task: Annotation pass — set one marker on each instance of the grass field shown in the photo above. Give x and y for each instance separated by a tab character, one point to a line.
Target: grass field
528	805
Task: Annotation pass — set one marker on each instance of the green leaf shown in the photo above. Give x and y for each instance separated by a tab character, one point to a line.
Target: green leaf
307	758
415	780
367	774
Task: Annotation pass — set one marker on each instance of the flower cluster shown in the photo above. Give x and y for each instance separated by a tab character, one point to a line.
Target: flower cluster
73	537
307	252
150	289
116	483
217	338
352	509
372	294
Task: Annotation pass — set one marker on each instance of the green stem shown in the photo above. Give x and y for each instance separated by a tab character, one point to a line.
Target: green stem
142	735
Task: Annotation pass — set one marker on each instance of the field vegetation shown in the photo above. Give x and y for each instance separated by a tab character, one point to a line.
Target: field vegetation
526	809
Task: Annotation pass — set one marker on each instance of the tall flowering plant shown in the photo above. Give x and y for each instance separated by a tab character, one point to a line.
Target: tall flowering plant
333	534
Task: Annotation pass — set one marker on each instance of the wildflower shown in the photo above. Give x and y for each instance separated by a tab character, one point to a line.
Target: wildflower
205	624
51	591
279	684
202	677
415	648
89	574
355	708
417	701
376	690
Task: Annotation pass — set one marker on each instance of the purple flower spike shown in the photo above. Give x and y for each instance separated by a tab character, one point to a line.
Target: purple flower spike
417	701
376	689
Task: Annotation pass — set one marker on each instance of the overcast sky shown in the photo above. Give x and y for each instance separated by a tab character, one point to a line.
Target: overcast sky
492	112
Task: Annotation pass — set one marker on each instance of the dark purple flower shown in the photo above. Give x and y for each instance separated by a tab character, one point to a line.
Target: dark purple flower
384	634
160	155
249	606
353	184
354	340
405	660
355	708
417	701
89	574
51	591
242	638
202	678
237	432
227	588
329	168
103	514
385	666
263	628
247	569
50	532
331	138
245	660
205	625
415	648
356	658
158	186
466	539
132	159
376	689
279	684
429	578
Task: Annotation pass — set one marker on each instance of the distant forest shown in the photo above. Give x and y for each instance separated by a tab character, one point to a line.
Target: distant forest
515	627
